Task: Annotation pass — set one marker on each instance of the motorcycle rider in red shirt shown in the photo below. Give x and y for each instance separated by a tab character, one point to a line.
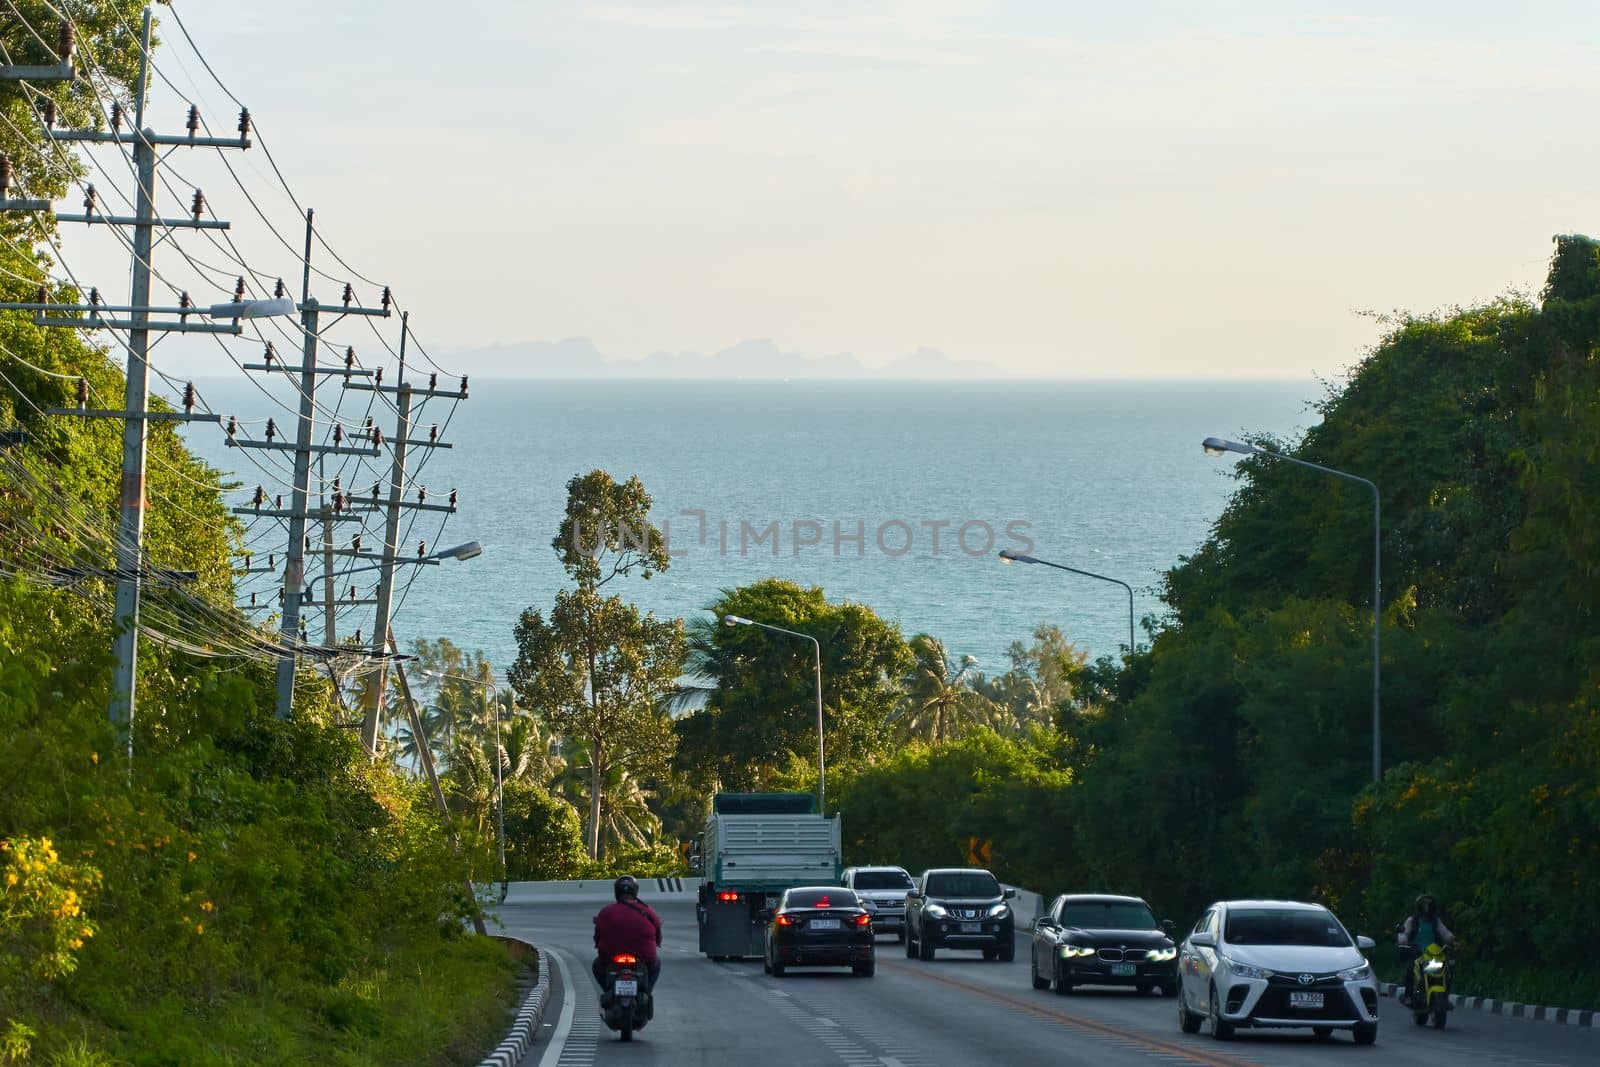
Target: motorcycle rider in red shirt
629	925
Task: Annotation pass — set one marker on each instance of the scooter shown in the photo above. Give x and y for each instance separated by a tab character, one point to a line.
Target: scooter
1430	983
624	1005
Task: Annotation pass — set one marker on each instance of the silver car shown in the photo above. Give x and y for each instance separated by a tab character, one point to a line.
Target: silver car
885	888
1275	963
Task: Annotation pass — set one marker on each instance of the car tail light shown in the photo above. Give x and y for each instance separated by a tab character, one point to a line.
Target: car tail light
625	957
783	920
863	919
727	897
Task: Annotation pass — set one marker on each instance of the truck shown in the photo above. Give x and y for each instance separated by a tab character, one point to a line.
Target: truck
755	846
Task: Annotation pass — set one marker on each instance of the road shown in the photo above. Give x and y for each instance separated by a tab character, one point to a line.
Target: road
957	1009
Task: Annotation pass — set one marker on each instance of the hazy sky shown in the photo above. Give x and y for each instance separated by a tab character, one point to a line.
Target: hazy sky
1131	189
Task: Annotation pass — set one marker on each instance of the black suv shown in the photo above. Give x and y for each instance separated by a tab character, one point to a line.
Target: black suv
956	907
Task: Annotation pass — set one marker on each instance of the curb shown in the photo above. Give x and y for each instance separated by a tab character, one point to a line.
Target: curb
516	1042
1538	1013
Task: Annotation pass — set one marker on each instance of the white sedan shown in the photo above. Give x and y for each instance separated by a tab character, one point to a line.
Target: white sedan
1274	963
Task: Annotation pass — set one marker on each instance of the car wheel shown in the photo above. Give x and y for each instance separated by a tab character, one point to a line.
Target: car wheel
1033	973
1008	951
864	970
900	934
1144	989
1221	1029
1188	1021
1062	985
1322	1032
990	954
777	968
925	949
1169	989
911	946
1365	1034
766	962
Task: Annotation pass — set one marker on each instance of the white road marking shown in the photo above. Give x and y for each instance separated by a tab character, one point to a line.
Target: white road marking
569	997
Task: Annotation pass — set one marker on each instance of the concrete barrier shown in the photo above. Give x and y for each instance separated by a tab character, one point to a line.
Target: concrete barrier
597	889
525	1027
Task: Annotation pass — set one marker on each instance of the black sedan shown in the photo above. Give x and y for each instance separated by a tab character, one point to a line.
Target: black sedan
1103	940
819	926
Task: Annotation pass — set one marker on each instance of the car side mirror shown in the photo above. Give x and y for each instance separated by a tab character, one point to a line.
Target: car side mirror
1046	923
1365	943
912	894
1167	927
1202	941
1010	894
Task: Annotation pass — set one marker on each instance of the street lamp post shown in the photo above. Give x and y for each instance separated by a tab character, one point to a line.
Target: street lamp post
491	695
1216	446
1008	556
822	788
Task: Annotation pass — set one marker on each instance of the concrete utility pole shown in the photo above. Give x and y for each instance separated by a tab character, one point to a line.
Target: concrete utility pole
294	583
95	315
378	679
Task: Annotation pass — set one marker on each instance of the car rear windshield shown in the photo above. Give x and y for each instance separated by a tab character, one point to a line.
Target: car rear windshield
1107	915
822	898
882	880
963	884
1264	926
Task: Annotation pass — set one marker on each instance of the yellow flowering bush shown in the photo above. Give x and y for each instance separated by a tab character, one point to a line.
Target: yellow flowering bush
42	899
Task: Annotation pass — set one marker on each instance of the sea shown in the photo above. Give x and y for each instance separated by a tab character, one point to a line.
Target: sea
896	495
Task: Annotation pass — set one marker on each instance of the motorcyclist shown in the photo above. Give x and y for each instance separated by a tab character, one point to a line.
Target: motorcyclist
627	926
1423	927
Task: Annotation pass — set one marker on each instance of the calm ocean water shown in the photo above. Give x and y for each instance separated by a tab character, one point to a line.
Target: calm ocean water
1106	477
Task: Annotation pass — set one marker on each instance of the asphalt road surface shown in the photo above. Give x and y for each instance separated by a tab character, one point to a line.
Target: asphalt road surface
957	1009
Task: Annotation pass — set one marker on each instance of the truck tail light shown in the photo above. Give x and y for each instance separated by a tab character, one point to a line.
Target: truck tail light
727	897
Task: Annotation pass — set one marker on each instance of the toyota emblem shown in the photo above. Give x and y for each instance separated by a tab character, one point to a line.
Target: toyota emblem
1306	979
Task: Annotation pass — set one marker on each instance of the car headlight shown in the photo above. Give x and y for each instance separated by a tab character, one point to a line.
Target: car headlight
1161	955
934	911
1244	970
998	911
1356	974
1432	967
1069	951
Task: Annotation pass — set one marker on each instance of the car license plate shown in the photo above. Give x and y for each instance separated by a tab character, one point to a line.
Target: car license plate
1123	970
1305	1001
970	928
626	987
824	924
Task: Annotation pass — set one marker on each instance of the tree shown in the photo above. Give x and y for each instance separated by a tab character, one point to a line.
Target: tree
1045	677
756	690
596	669
940	703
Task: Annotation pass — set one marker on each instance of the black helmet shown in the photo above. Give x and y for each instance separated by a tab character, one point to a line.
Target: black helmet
626	888
1426	906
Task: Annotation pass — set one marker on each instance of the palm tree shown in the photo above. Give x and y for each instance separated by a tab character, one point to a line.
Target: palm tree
939	702
625	815
529	750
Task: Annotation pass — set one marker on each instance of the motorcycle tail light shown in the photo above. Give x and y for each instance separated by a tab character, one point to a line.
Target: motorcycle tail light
625	957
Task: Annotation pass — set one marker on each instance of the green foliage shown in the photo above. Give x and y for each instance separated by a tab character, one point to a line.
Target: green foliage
544	837
758	687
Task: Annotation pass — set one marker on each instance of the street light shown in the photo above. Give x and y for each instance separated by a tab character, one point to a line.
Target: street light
1008	556
1217	446
822	788
499	755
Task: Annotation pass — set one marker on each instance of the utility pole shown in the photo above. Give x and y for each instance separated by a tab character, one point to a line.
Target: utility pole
135	412
378	680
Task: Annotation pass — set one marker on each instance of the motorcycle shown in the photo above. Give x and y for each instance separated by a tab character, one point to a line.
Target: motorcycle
1430	984
624	1005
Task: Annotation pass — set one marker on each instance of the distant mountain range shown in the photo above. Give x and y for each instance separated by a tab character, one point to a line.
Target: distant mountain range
577	357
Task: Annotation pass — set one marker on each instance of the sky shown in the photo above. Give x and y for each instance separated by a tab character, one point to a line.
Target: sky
1139	189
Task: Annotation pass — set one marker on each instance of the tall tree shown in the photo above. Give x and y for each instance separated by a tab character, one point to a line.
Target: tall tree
597	669
940	701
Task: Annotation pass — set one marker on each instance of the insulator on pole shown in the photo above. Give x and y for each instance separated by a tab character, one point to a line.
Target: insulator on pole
377	376
422	549
278	290
272	429
199	204
387	299
244	122
308	543
422	494
463	385
349	293
269	354
238	291
338	439
280	595
375	486
377	436
433	381
352	592
188	397
355	543
5	175
233	426
89	198
116	116
83	393
433	433
349	359
184	303
338	508
94	296
272	562
277	502
335	486
261	496
452	498
65	43
193	125
42	295
358	637
252	600
50	114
